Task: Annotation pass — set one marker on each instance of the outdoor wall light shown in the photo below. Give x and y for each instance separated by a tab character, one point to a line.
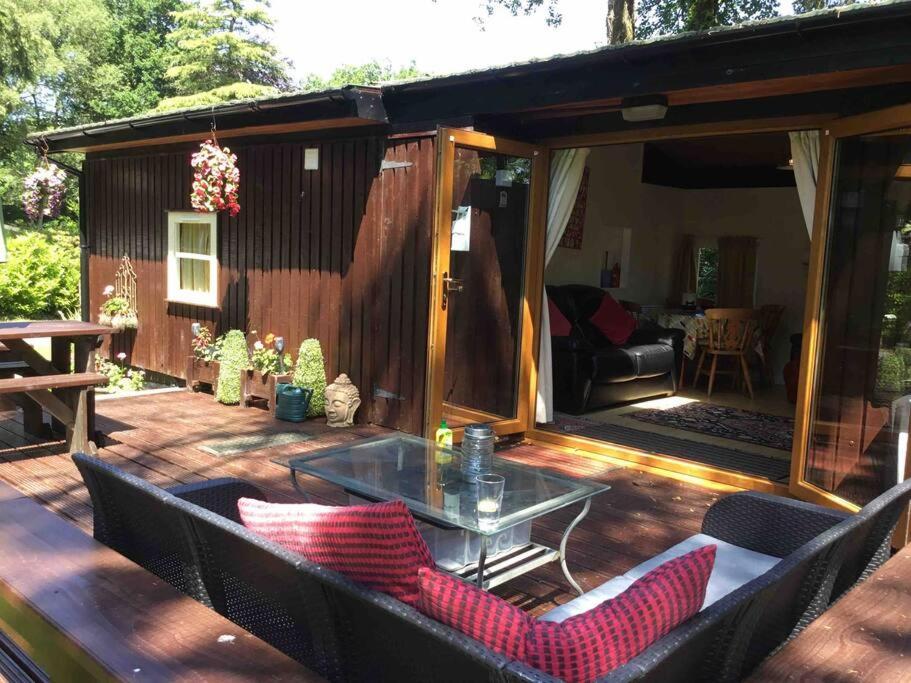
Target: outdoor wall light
195	328
644	108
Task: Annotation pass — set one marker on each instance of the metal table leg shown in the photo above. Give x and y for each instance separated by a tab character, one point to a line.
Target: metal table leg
482	559
569	530
297	486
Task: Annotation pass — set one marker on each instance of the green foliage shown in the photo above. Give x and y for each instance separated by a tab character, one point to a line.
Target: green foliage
120	377
41	277
220	42
234	360
664	17
890	372
707	273
226	93
371	73
310	372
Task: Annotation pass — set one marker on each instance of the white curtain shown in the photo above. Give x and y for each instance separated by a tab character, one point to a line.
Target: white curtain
566	168
805	153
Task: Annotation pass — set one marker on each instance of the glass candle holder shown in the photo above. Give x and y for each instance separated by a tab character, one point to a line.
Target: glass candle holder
490	499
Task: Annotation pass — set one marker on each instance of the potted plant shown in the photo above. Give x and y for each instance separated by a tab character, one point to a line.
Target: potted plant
234	360
202	365
267	369
310	373
117	312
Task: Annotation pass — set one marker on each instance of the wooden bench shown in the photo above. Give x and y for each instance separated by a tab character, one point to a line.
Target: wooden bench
83	612
68	403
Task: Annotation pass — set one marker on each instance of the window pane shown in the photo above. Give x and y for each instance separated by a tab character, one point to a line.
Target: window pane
863	390
194	238
194	274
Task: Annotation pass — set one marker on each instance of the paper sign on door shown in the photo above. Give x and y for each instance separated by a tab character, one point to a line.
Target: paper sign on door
461	229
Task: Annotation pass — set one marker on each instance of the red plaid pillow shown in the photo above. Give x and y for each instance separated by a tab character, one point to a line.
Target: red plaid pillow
589	645
476	613
377	545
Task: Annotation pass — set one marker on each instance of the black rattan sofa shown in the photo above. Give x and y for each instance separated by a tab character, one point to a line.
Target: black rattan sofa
190	536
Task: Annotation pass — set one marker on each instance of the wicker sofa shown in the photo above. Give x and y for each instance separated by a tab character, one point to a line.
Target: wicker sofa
190	536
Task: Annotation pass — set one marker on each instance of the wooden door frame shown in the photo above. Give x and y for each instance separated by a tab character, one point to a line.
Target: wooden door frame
892	118
447	141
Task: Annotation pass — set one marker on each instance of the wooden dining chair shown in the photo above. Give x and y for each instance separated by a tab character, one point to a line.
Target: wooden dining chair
730	332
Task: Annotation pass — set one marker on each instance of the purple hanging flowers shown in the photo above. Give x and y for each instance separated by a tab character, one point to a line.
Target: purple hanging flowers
44	191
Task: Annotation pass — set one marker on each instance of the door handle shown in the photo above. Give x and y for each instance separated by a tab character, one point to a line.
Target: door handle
451	285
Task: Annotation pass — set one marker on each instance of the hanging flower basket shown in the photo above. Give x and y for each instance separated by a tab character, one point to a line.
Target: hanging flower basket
44	191
216	179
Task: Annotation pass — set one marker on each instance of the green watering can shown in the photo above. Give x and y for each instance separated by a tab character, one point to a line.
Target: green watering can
292	402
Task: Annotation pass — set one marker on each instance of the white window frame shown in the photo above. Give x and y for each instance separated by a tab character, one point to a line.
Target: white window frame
184	296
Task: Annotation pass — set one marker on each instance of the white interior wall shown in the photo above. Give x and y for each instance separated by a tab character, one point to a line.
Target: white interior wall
657	215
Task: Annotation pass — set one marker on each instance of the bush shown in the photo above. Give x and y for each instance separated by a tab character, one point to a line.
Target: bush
41	277
233	361
890	373
310	372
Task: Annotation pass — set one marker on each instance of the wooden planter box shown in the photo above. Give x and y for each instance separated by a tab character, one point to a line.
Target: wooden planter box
201	373
256	385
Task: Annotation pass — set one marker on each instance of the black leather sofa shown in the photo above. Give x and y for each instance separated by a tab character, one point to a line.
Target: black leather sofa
189	536
590	372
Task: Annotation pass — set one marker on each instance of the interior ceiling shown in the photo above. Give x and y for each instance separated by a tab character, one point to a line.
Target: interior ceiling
726	161
759	150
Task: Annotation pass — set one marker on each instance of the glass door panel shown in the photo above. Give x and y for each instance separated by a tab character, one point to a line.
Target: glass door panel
485	285
485	261
861	391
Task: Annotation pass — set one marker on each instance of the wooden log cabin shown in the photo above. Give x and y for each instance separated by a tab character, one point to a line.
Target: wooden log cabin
408	227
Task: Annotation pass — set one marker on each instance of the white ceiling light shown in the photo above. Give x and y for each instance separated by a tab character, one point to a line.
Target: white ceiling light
644	108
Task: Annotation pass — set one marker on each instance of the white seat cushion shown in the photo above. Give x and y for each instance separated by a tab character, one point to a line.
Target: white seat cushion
734	566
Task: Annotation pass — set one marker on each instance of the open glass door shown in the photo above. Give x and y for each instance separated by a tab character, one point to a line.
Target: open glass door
486	281
851	437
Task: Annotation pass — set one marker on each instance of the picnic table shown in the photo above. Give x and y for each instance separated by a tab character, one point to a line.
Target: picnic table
63	386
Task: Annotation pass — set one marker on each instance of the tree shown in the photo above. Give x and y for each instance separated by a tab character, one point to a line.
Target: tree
370	73
224	42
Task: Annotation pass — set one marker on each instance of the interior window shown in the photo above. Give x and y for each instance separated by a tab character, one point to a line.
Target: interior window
707	273
192	258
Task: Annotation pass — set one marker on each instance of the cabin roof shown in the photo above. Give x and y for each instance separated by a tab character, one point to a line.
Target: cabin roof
834	40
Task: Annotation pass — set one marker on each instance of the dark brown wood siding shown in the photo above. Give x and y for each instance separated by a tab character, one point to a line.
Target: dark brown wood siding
341	254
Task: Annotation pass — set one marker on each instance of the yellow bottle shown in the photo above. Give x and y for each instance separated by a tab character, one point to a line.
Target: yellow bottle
444	439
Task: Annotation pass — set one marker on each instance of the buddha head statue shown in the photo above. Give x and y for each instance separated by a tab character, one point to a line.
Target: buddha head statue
342	401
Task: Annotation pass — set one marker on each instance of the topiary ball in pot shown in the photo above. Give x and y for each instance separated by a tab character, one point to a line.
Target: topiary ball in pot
310	372
234	360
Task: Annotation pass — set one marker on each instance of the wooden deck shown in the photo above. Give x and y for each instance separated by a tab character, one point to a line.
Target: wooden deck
158	437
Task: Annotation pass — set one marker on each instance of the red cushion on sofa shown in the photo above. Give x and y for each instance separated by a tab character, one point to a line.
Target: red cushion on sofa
559	325
377	545
614	321
476	613
591	644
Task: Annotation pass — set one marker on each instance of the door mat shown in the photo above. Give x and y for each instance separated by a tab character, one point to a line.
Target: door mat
749	426
659	444
253	442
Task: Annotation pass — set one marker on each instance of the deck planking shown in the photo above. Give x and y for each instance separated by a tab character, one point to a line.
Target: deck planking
158	437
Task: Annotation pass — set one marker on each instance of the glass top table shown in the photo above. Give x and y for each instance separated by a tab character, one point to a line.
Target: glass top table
427	477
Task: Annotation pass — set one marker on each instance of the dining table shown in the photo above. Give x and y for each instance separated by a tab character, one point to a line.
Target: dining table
63	385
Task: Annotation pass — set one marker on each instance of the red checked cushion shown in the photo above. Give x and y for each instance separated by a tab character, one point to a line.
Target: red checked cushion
377	545
476	613
559	325
613	321
591	644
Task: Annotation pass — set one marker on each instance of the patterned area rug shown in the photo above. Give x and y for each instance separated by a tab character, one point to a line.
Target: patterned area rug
748	426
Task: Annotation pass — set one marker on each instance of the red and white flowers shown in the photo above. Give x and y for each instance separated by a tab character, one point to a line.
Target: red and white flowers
44	190
216	179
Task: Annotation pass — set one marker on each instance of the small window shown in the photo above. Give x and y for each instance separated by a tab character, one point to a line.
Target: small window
707	273
192	258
